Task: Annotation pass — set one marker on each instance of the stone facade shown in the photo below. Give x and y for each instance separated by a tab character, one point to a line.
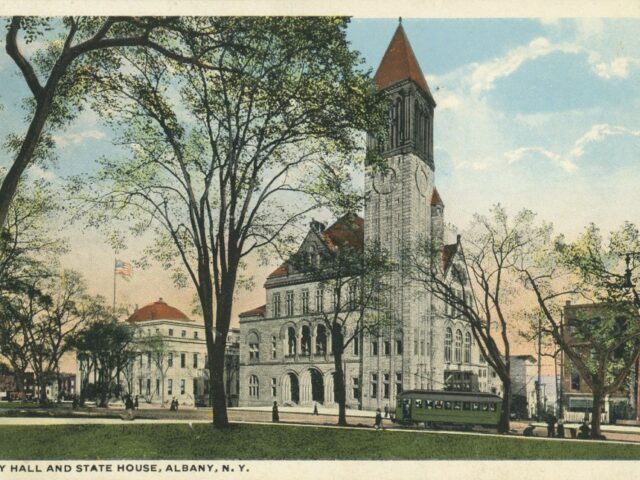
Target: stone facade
423	347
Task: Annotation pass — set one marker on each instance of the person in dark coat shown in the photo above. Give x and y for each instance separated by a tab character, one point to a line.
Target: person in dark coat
135	403
560	429
585	431
551	425
386	411
315	409
378	422
275	416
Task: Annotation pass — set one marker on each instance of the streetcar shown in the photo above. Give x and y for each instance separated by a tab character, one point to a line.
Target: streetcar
434	408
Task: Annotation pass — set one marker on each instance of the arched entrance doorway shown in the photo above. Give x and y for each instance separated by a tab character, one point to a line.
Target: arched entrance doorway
317	386
290	388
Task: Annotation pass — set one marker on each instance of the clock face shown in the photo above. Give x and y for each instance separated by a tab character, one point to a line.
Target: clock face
383	184
422	181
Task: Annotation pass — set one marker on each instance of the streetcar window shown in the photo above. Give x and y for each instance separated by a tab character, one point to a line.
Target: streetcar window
457	405
492	407
438	404
447	405
466	406
418	403
485	406
475	406
428	404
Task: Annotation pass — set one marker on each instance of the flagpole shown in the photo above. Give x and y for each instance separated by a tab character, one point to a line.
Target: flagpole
114	285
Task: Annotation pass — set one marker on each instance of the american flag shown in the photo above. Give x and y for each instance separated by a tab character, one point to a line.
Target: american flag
123	269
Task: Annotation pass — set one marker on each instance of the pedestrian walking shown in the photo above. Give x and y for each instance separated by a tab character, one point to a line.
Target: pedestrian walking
386	411
378	421
315	408
135	403
551	425
560	430
275	416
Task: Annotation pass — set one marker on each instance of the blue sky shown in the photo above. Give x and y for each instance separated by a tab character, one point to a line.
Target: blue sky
531	113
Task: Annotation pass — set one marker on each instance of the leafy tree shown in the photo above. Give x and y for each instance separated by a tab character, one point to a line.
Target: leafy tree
220	158
105	348
29	249
479	285
355	278
60	74
601	337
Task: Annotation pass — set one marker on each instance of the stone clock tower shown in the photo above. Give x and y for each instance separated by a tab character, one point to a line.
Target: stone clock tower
398	212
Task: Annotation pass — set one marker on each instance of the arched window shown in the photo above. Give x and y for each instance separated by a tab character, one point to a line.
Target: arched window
254	346
321	339
305	347
458	350
291	340
448	340
467	348
254	386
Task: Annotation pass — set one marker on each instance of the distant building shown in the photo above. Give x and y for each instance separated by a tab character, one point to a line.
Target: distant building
577	398
523	385
180	371
60	386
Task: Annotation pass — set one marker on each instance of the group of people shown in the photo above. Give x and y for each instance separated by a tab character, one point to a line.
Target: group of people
174	405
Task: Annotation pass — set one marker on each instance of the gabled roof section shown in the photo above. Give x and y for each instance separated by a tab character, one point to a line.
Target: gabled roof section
159	310
255	312
435	198
348	231
448	253
399	63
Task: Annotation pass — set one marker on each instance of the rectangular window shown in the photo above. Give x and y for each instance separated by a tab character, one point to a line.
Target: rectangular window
319	300
195	360
140	358
183	360
374	348
305	301
157	386
353	296
148	387
140	386
398	383
149	359
355	388
387	347
184	333
399	347
169	387
195	334
575	379
374	385
274	347
183	386
422	347
274	389
195	387
428	404
170	359
386	387
356	346
289	303
254	352
171	332
276	304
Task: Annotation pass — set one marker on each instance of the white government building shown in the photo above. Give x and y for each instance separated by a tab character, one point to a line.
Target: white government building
285	352
181	373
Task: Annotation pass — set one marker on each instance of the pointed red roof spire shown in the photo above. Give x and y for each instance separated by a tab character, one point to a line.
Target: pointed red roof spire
435	198
399	63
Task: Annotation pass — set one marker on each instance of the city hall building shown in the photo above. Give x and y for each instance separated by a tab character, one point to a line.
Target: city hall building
285	347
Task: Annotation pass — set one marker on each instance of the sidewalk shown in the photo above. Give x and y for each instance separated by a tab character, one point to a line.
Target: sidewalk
631	429
322	410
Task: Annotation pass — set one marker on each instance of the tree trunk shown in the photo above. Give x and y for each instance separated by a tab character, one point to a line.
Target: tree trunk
598	399
338	380
505	415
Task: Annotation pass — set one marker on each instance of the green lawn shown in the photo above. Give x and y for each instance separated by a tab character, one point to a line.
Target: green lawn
171	441
12	405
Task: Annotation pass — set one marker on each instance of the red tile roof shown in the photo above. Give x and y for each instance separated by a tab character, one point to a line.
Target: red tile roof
346	231
435	198
159	310
399	63
259	311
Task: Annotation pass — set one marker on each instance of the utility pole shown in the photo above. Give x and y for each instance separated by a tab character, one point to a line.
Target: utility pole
539	380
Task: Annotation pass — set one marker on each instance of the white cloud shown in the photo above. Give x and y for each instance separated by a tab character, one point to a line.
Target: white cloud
485	75
449	101
38	172
568	160
69	139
